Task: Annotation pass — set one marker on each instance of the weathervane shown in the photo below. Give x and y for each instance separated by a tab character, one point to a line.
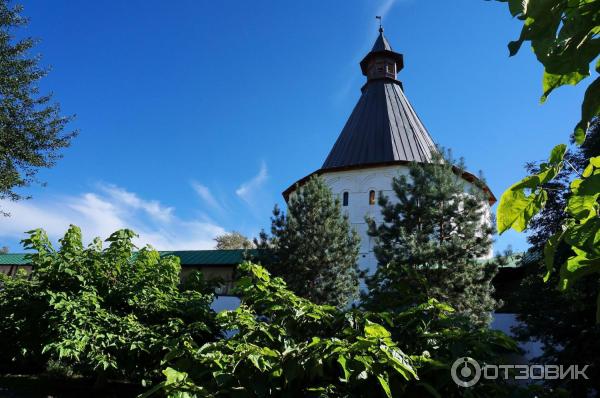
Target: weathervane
380	26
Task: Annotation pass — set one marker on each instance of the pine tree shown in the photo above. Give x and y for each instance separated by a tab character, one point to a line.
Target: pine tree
431	241
314	248
31	128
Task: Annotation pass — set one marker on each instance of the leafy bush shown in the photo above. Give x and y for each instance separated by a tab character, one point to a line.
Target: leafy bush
120	313
109	312
284	345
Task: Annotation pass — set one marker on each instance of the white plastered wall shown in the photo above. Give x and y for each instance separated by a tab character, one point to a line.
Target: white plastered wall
358	184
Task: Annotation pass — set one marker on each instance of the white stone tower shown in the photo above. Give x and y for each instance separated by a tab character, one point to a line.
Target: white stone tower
380	139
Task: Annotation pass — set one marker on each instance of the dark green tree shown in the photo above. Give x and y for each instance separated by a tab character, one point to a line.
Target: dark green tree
314	248
31	128
430	243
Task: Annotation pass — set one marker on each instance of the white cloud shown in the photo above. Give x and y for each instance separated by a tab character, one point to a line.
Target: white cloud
152	207
350	74
249	189
385	7
103	212
206	195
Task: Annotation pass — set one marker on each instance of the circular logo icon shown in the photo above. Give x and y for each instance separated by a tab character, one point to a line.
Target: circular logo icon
466	372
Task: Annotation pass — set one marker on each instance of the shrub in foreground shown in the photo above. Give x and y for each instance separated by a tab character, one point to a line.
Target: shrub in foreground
282	345
107	312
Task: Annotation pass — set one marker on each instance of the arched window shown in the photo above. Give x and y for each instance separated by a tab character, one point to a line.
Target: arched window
371	197
345	199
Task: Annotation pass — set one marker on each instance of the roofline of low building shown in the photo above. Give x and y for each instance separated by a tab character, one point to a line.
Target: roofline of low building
22	260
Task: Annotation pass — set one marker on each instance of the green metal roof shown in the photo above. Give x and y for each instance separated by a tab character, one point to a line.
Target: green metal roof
190	258
187	257
211	257
13	259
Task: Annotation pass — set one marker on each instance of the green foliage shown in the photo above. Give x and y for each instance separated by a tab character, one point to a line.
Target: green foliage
314	248
429	243
101	311
522	201
580	229
564	38
284	345
31	128
546	314
232	240
117	312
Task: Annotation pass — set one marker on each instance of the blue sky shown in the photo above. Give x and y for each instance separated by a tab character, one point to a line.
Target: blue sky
194	116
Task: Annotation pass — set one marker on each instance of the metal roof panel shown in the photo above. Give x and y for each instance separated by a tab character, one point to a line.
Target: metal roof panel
187	257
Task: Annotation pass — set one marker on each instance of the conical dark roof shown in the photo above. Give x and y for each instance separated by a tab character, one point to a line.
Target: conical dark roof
381	44
383	126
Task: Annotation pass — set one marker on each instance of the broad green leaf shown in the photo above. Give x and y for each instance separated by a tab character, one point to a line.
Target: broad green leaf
383	381
582	206
589	185
580	132
557	154
552	81
342	361
516	209
174	376
590	108
259	272
575	268
592	165
585	236
444	307
399	362
375	330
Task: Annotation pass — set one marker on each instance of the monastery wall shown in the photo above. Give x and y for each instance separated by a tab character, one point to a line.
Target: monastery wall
358	184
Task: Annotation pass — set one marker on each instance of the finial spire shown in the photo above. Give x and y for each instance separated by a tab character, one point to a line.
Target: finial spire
388	64
380	25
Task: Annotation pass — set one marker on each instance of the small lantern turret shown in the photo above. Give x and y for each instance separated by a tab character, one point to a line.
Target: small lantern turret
381	62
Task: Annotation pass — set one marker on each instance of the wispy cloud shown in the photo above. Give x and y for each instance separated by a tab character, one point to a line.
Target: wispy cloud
152	207
350	71
385	7
206	195
102	212
249	189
